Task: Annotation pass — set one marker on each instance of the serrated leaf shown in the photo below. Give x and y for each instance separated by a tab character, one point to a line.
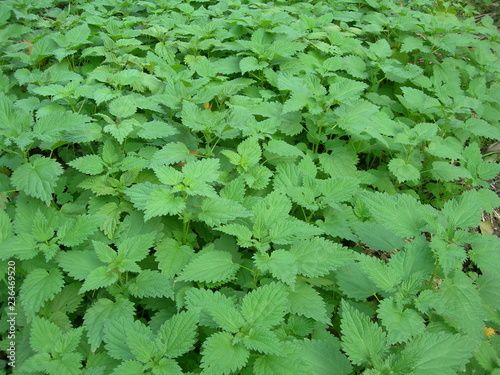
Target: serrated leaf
402	213
317	257
378	237
218	211
89	164
485	254
280	263
220	356
75	231
151	283
461	304
177	335
44	335
38	178
115	337
402	324
39	286
324	358
172	256
282	148
439	353
157	129
289	364
124	106
465	211
99	278
385	276
265	305
171	153
338	189
79	264
161	202
362	340
130	367
102	311
403	170
210	266
305	300
263	340
209	302
23	247
41	227
444	171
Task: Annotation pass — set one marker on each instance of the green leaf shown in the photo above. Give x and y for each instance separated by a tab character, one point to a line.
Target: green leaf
439	353
263	340
136	247
417	101
324	358
178	334
161	202
141	344
461	305
265	305
220	356
218	211
378	237
75	231
362	340
403	171
67	363
402	214
172	257
248	64
280	263
338	189
171	153
250	153
129	368
44	335
305	300
283	148
465	211
355	66
39	286
116	333
210	266
289	364
38	178
444	171
121	130
89	164
78	264
384	276
317	257
482	129
99	278
23	247
151	284
211	303
206	170
485	254
41	227
156	129
354	282
102	311
449	148
124	106
402	324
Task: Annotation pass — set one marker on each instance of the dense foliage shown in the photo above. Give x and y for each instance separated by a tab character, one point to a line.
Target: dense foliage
245	187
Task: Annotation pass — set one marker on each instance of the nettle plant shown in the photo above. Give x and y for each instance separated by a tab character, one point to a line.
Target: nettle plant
240	187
